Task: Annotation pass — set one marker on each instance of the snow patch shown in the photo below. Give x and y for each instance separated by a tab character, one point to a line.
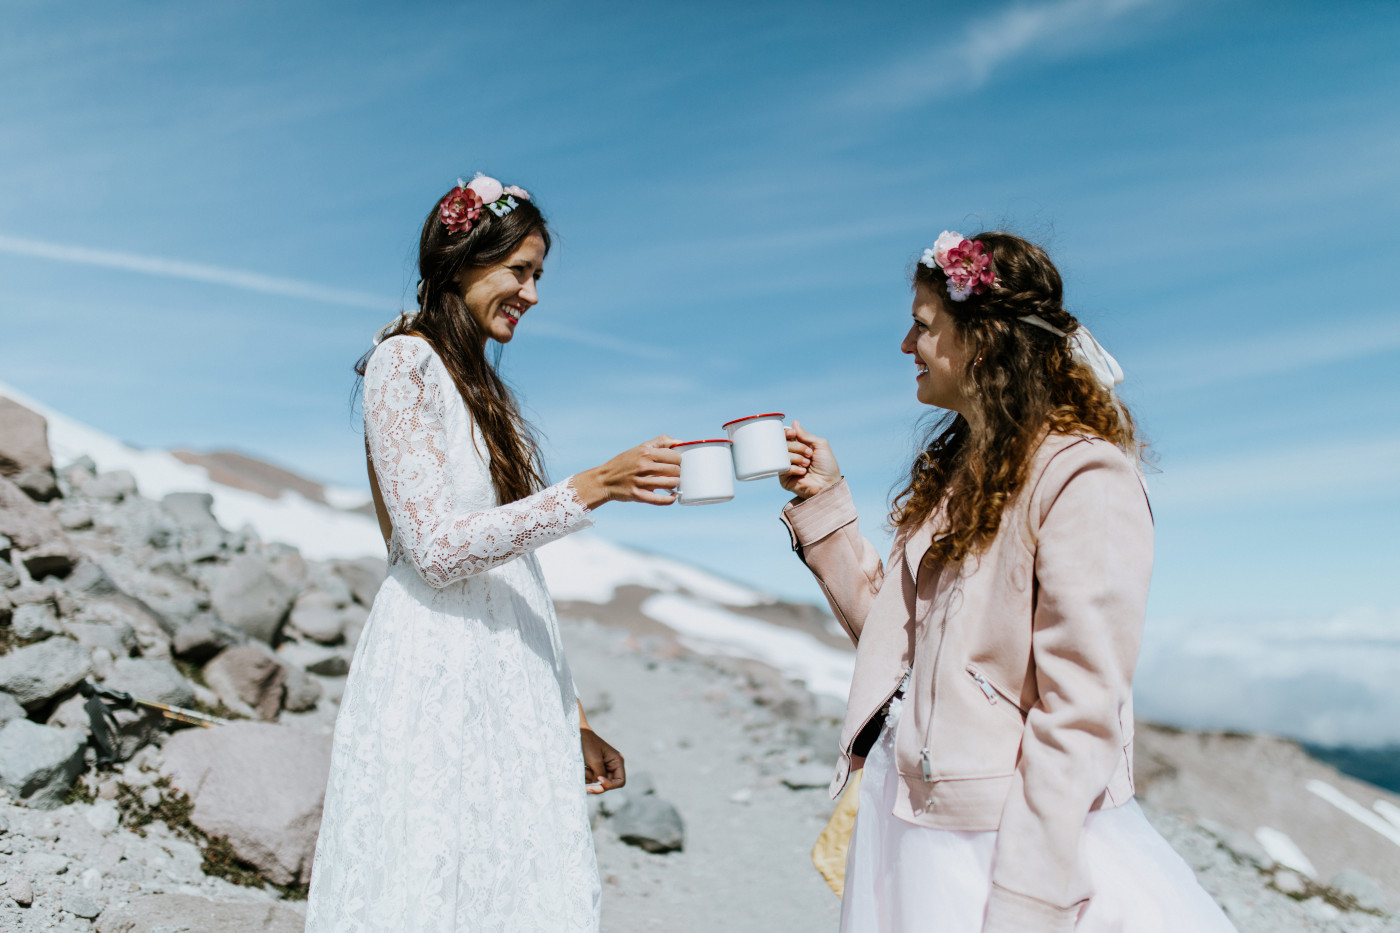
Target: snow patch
1284	851
589	569
318	531
1388	810
712	630
1354	810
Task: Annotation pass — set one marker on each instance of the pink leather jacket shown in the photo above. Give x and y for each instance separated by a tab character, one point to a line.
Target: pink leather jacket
1018	716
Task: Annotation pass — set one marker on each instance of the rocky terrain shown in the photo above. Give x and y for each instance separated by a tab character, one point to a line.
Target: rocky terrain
212	829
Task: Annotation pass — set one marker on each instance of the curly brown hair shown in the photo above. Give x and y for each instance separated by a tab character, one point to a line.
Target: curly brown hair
1024	383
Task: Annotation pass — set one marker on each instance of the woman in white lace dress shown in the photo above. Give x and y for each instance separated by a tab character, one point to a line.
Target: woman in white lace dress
456	793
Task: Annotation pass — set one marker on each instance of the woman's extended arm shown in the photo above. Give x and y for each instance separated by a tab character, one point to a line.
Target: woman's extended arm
826	532
404	403
1093	564
404	408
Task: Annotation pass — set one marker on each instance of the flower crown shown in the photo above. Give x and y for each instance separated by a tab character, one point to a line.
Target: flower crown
965	262
463	204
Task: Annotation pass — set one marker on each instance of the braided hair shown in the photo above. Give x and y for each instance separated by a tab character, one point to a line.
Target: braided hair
1023	382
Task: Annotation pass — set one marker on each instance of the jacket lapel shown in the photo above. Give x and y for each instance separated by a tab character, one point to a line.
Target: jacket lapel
915	547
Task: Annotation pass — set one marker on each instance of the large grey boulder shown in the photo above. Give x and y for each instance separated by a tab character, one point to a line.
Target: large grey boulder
643	819
25	522
151	679
168	594
35	674
169	913
364	575
89	579
317	616
259	785
201	638
193	511
25	458
202	538
117	637
10	710
251	598
110	487
303	691
35	621
38	763
52	559
248	679
317	659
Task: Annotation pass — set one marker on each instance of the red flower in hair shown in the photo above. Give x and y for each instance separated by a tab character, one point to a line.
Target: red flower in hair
459	209
969	270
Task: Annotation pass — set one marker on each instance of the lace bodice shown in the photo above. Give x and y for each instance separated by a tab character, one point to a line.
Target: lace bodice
445	517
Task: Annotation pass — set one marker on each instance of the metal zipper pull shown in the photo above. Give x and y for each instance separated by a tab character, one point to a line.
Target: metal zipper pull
928	765
986	686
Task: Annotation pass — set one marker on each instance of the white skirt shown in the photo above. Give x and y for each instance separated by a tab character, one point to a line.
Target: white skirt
902	878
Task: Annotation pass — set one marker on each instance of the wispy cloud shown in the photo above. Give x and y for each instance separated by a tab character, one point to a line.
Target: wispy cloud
987	44
273	285
1330	680
1271	354
602	342
192	271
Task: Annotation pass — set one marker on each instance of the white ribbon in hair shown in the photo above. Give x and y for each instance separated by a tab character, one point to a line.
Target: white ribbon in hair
1087	350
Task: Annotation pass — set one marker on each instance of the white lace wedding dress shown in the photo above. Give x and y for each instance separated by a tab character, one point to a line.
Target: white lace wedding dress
455	799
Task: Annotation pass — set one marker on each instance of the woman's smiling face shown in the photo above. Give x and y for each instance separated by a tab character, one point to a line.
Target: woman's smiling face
939	356
498	296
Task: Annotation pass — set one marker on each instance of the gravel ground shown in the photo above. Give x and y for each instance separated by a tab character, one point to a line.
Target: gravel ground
715	737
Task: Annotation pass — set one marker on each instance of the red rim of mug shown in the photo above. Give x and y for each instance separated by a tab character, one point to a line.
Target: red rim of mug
716	440
771	414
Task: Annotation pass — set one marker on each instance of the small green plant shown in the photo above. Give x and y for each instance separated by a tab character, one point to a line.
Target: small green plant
79	792
219	860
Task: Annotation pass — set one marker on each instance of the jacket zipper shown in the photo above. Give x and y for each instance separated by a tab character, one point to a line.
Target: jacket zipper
991	691
908	671
986	686
925	757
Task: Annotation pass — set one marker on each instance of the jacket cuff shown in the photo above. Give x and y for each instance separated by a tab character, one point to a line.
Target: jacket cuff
1009	912
811	519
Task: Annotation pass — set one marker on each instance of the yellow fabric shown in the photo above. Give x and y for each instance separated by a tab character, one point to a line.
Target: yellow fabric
829	854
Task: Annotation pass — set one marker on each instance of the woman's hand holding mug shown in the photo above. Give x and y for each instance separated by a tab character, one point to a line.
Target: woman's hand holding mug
642	474
814	466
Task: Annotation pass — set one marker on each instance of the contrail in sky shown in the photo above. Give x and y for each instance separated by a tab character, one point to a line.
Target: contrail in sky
192	271
272	285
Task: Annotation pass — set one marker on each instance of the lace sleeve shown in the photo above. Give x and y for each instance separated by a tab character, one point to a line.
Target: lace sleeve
404	403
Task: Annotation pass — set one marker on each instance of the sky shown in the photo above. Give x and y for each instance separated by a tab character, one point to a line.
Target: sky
208	211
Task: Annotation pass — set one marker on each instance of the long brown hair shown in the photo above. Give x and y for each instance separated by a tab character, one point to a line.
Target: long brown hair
1024	383
442	319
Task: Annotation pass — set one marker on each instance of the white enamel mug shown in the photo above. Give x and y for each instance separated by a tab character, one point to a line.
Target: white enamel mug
760	446
707	472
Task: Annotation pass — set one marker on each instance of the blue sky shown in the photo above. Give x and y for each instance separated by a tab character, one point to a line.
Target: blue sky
208	211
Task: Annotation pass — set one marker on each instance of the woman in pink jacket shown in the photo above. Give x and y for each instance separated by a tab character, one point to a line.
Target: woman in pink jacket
992	699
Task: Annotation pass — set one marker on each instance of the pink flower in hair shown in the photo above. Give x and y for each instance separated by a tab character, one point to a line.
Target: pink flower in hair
518	191
946	241
459	209
968	268
486	187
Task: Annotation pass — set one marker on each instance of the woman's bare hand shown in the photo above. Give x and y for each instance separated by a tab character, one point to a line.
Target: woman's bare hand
814	466
603	767
642	474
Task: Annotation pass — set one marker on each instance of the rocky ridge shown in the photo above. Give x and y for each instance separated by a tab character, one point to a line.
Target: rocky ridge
213	829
